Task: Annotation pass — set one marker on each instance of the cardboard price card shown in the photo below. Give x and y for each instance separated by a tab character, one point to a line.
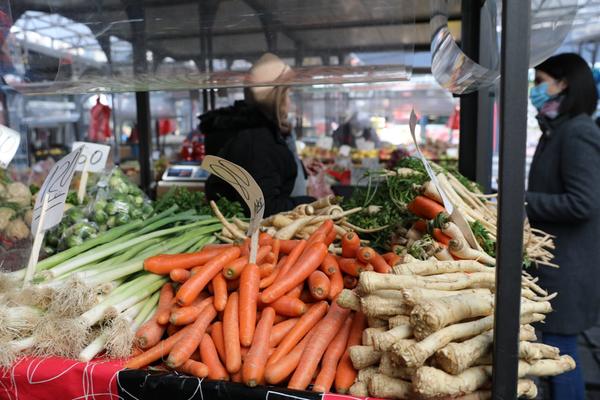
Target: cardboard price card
96	155
56	186
9	144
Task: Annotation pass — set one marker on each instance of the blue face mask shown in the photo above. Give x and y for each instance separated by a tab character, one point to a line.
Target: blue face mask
539	95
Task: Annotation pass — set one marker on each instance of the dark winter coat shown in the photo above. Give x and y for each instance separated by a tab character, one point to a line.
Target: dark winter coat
563	199
243	135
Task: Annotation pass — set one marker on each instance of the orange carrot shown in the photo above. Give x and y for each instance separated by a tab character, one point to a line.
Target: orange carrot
318	284
237	377
289	306
317	237
165	303
322	337
329	265
234	269
280	330
231	334
350	282
346	374
265	239
161	349
268	280
173	329
350	244
304	325
253	370
336	284
332	357
266	269
249	288
149	334
392	258
368	255
194	368
217	246
276	372
180	275
306	296
210	357
286	246
306	264
293	256
351	266
297	291
321	233
420	225
441	237
193	286
220	289
330	238
424	207
162	264
187	315
216	334
184	348
276	248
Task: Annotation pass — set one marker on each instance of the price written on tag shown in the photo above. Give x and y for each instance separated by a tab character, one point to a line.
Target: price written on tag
9	144
56	186
243	183
94	153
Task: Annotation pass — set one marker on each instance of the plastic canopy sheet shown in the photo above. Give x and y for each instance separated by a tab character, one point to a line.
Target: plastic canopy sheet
82	46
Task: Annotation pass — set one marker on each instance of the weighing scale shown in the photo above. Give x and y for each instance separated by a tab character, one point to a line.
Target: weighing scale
183	174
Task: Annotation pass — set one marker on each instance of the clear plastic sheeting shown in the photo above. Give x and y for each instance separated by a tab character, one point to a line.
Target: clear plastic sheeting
82	46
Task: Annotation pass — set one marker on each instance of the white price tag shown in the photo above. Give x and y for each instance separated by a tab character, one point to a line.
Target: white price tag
9	144
56	186
363	144
325	142
96	154
345	150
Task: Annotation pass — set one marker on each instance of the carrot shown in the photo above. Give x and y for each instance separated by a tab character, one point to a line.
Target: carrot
346	374
331	358
179	275
231	334
336	284
286	246
194	368
193	286
317	237
350	282
306	264
350	244
210	357
268	280
424	207
216	334
234	270
266	269
392	258
173	329
329	265
165	303
276	372
162	264
237	377
420	225
351	266
321	233
253	370
289	306
297	291
220	288
293	256
368	255
304	324
276	248
187	315
306	296
330	238
318	284
322	337
441	237
149	334
249	288
217	246
280	330
184	348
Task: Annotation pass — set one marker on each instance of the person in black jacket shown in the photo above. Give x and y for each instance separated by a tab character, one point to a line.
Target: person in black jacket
251	134
562	200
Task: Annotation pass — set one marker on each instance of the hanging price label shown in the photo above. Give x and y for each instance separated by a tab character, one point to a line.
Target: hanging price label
94	153
9	144
246	186
56	186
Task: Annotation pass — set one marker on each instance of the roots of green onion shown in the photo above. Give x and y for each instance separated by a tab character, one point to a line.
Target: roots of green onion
18	322
72	299
63	337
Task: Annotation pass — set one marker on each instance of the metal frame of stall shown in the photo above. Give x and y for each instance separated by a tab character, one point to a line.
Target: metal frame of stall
475	162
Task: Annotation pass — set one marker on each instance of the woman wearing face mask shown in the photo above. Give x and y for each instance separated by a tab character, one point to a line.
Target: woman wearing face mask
563	200
251	134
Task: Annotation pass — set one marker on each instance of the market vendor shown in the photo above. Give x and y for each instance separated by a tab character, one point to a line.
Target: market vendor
562	200
252	133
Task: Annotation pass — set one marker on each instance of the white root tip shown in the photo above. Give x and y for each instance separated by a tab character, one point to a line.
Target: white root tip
72	299
119	338
64	337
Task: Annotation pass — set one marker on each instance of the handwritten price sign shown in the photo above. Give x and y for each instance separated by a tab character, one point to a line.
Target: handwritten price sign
9	144
95	154
56	186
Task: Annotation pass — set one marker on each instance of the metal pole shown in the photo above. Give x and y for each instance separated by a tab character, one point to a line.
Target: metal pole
142	100
511	185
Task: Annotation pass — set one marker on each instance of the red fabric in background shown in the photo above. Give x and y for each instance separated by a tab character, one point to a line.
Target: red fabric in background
55	378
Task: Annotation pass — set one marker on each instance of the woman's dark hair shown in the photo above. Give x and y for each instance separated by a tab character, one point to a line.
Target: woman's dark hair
581	95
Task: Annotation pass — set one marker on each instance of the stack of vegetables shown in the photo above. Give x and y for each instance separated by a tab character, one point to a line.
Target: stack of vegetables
93	296
430	332
15	211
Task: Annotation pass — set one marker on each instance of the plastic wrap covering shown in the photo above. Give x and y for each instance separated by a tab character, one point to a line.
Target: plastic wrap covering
76	46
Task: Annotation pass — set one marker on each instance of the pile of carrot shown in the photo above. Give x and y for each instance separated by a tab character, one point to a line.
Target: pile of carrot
272	322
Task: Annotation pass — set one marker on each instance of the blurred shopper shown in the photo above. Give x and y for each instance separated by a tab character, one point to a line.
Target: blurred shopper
562	200
356	126
252	134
